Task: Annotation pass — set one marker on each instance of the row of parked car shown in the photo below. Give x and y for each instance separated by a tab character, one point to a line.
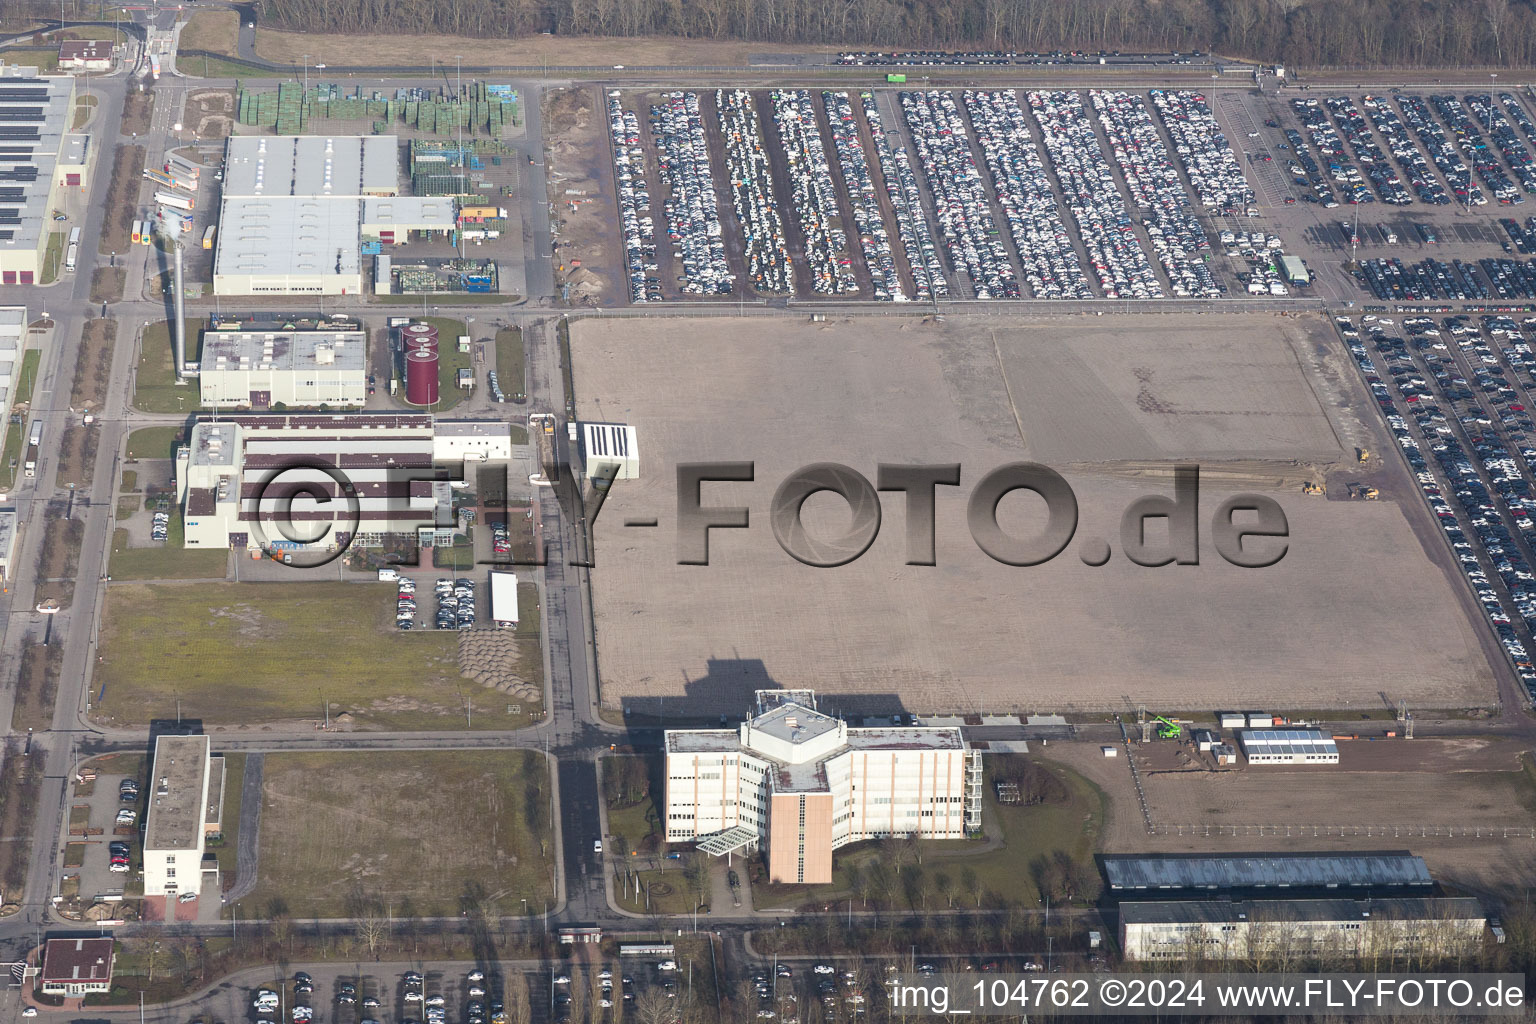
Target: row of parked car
1051	265
455	603
160	527
906	198
1438	145
1392	279
813	196
634	200
1169	219
757	211
1325	139
1103	222
1353	126
690	211
960	200
874	237
1484	488
1208	160
1491	116
1469	140
1421	178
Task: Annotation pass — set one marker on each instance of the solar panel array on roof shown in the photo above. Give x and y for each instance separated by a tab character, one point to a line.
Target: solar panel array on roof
1387	869
1291	745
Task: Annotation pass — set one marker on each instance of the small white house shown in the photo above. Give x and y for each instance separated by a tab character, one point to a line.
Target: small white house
1109	751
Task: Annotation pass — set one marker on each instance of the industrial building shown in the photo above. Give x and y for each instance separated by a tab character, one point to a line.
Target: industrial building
1299	931
263	366
35	113
391	221
85	55
7	542
1179	872
801	784
184	787
13	346
1288	746
610	451
386	475
76	967
292	212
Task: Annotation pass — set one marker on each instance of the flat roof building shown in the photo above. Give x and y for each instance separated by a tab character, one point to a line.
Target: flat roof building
1190	931
35	112
76	967
1227	872
7	543
391	220
259	369
13	346
380	471
805	783
1288	746
174	832
85	55
291	215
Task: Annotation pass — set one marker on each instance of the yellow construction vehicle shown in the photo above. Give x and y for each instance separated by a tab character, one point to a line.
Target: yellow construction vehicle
1313	488
1362	454
1369	493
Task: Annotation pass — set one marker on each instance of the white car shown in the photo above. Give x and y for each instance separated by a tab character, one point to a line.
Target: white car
476	975
597	846
30	1011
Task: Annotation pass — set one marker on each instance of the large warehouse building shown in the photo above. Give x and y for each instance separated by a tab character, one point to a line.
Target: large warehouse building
34	138
291	219
804	784
385	475
262	366
1188	931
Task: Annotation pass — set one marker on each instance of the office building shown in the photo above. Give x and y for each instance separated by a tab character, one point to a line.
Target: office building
802	783
175	826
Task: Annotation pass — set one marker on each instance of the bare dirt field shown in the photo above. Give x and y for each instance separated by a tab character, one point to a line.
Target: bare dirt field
1460	783
407	51
581	193
1357	599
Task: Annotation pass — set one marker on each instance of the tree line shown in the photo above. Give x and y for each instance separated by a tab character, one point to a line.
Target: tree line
1418	33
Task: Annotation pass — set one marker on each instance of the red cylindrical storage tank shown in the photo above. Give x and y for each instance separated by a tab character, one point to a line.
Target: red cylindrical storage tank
412	334
421	378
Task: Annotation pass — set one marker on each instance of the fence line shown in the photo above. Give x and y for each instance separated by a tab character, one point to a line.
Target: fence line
1369	831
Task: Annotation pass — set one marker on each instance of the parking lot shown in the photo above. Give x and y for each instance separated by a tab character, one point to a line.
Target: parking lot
1459	405
452	601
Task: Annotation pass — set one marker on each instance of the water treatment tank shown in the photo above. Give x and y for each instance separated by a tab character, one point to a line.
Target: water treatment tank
421	377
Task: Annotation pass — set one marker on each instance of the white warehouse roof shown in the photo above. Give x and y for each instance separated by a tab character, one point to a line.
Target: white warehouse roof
1297	746
339	166
288	235
408	213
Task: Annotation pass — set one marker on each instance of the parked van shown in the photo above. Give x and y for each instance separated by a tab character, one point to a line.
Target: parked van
388	575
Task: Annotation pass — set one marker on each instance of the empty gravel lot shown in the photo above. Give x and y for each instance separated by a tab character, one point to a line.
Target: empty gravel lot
1258	401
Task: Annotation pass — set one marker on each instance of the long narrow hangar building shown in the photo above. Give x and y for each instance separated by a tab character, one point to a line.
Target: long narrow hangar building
38	155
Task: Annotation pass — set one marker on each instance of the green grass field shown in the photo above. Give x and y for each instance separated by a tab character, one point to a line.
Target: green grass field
1035	840
244	653
167	561
53	258
153	443
16	433
509	361
407	832
154	387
